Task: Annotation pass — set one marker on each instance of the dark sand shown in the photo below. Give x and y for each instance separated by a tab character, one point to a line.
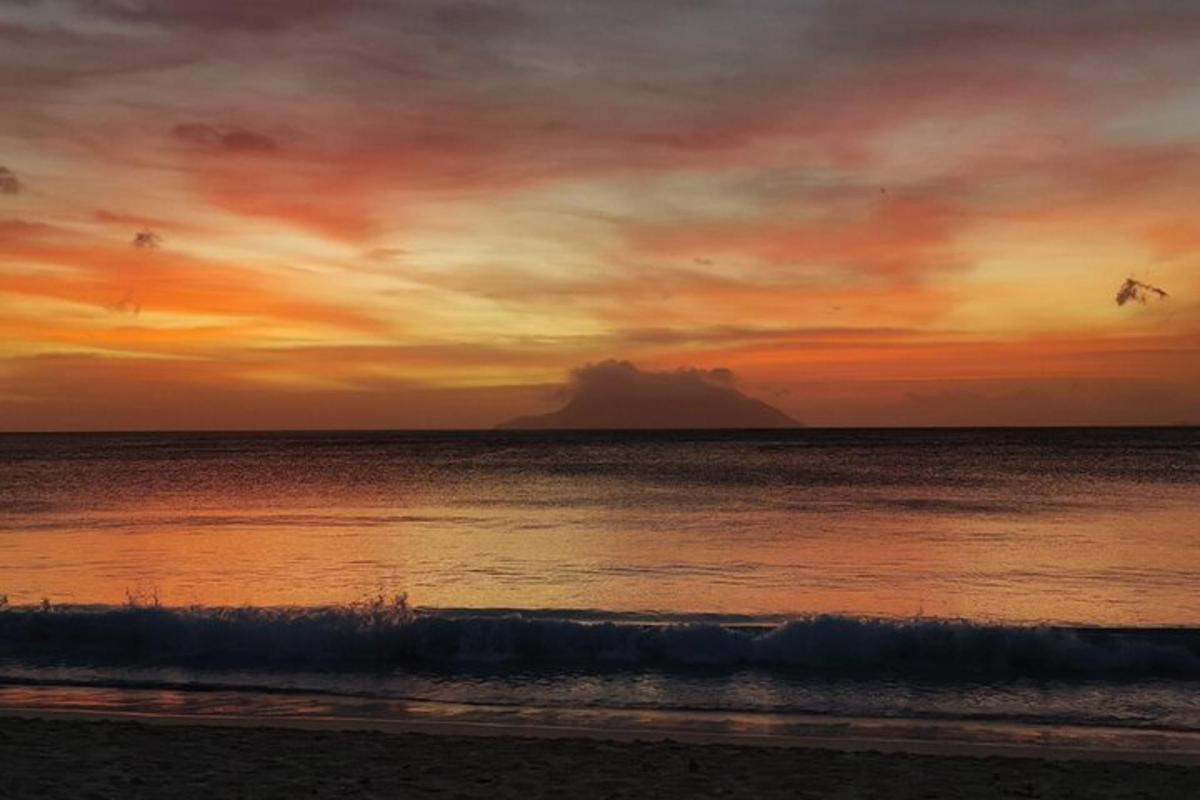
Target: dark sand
94	759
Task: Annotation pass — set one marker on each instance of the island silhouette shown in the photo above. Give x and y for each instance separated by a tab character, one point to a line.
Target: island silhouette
618	395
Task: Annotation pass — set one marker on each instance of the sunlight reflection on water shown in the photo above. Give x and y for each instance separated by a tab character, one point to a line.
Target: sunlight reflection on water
1083	527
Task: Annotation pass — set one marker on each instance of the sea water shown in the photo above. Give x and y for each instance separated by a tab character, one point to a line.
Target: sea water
1034	577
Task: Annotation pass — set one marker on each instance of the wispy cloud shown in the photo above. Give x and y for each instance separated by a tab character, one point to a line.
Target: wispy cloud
227	139
262	16
8	181
1133	290
147	240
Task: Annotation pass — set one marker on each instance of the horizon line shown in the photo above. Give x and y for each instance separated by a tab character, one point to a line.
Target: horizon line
544	431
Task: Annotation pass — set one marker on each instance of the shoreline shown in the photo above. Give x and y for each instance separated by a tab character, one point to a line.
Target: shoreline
642	734
82	754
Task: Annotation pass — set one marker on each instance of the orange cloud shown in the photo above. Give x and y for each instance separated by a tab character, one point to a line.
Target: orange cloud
98	273
888	235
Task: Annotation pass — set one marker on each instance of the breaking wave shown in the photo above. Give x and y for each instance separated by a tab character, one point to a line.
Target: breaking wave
348	639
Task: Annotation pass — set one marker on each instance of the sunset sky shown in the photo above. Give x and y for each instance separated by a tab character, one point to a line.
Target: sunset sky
404	215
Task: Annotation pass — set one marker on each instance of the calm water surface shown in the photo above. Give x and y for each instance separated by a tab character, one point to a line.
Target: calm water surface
1078	526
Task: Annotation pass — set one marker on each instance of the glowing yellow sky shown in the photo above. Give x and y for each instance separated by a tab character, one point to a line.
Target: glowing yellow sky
425	214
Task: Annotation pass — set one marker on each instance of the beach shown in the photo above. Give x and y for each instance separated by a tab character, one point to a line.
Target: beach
110	758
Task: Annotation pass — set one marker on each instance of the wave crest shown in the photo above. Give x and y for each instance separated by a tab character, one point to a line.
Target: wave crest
332	639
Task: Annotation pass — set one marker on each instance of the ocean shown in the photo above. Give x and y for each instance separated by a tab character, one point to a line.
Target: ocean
1034	584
